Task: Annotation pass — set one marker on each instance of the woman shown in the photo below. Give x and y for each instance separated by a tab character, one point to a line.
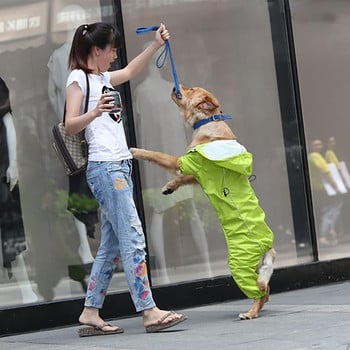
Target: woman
94	48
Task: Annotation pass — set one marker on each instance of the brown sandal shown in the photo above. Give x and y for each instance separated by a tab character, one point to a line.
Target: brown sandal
160	325
98	330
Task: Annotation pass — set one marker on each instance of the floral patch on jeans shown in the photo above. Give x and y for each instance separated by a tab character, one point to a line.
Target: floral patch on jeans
141	281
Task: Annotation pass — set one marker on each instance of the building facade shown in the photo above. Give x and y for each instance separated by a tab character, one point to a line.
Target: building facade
278	67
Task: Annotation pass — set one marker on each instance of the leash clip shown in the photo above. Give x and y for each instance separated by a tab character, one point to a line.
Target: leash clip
178	95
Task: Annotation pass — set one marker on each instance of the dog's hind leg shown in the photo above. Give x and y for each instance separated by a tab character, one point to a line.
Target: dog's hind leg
256	307
265	269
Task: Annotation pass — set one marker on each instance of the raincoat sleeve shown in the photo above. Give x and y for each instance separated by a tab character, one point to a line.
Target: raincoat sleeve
190	163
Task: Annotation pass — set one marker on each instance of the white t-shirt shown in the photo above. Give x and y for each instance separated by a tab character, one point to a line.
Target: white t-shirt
105	137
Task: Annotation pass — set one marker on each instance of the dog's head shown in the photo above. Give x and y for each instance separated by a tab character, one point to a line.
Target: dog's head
195	103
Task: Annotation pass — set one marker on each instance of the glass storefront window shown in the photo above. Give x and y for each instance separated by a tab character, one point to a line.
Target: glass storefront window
231	56
322	48
46	252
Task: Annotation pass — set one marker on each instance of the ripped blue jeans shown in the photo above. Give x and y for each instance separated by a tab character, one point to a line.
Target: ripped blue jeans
122	236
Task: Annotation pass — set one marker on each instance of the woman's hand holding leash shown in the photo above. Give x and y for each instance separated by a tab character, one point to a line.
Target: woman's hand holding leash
162	34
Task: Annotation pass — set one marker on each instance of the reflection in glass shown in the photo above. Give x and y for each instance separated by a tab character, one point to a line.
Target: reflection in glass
327	187
12	234
322	45
85	216
165	131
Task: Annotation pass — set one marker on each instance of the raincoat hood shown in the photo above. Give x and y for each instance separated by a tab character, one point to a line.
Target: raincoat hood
228	154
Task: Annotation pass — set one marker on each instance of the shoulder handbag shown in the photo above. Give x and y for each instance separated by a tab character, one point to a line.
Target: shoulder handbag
72	150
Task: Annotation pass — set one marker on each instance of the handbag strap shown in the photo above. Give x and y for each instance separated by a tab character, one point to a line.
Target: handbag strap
86	98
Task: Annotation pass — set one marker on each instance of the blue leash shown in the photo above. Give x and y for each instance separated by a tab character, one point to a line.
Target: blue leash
164	55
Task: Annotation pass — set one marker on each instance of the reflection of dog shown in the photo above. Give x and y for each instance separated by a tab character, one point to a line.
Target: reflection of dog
222	166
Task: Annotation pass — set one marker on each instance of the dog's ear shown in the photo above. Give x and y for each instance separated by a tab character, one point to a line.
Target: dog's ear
208	104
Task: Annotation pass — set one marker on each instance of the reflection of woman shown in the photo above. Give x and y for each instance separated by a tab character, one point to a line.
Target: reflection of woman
11	224
159	126
85	216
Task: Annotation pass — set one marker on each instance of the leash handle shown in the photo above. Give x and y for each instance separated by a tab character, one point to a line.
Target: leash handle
144	30
163	56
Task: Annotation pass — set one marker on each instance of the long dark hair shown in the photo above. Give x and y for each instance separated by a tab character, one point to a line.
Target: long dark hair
85	37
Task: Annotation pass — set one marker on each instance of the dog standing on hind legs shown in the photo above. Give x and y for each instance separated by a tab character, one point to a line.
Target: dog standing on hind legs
222	167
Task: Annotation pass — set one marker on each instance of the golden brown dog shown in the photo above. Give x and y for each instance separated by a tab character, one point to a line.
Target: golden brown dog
241	217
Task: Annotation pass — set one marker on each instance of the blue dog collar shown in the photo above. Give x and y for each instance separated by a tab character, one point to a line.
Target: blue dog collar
213	118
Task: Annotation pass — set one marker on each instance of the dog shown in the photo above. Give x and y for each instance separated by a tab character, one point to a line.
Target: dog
222	167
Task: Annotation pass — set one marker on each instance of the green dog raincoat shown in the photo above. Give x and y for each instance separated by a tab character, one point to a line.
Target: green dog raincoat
222	169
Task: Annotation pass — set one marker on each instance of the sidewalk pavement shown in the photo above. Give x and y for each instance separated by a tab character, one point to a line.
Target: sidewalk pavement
312	318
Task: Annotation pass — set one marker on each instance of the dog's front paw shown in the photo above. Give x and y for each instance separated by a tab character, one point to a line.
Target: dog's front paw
136	152
167	190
